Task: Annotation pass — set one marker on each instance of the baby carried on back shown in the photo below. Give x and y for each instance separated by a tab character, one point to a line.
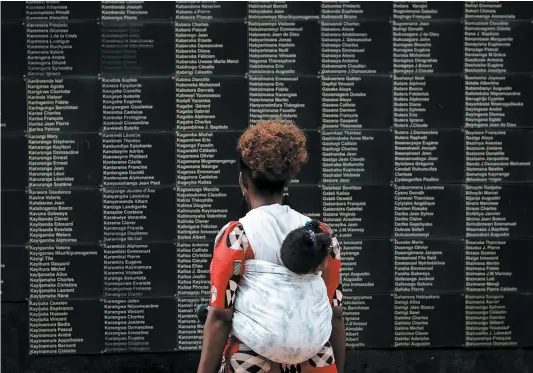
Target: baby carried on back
281	310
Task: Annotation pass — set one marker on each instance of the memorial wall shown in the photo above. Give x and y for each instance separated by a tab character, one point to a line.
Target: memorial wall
119	122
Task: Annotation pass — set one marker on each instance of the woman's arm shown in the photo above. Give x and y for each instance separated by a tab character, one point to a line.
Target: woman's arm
332	278
338	338
216	333
230	251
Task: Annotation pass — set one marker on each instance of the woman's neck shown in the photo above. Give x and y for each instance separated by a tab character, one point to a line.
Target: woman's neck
258	201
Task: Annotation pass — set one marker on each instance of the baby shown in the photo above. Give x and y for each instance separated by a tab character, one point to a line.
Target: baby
306	249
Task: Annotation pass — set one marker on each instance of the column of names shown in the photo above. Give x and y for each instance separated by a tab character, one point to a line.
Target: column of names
426	268
63	206
498	172
211	62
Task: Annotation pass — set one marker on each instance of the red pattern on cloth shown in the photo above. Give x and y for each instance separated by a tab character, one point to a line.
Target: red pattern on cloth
238	358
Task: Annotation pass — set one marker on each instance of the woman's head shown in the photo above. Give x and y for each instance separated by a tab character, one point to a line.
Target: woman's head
305	249
271	154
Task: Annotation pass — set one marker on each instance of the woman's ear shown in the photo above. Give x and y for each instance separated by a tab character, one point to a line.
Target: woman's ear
241	184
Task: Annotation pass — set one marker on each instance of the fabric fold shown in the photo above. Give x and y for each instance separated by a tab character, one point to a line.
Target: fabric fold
281	315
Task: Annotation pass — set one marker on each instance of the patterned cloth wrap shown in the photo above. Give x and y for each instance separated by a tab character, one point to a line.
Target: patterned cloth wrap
281	315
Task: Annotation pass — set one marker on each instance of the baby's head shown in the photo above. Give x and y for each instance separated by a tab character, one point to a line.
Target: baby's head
306	249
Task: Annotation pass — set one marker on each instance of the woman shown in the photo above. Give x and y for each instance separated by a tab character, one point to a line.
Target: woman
271	154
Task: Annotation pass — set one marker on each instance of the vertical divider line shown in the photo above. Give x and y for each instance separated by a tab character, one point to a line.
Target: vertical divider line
247	72
175	134
101	133
27	187
321	126
101	244
392	182
464	184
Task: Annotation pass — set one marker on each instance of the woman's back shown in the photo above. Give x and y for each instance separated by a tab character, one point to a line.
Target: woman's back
281	315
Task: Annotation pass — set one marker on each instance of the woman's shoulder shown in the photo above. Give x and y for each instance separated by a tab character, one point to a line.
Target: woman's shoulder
233	236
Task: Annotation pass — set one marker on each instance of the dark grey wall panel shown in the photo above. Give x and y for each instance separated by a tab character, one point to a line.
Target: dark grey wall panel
119	124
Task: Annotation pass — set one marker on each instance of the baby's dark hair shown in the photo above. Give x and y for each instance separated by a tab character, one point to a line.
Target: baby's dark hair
305	248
